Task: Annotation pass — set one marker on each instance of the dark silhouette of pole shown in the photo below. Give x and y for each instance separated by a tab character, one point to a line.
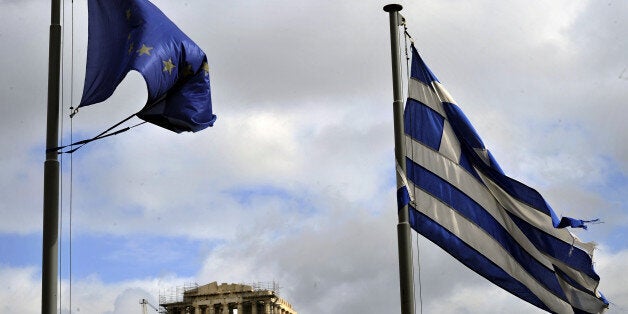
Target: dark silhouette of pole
50	253
404	238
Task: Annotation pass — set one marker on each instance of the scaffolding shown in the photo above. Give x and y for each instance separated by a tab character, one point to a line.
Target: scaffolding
265	286
175	294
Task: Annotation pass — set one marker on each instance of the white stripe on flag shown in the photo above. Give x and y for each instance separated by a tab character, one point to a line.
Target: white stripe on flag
404	181
442	93
483	154
580	299
476	190
581	278
469	185
433	96
533	216
449	144
424	93
482	242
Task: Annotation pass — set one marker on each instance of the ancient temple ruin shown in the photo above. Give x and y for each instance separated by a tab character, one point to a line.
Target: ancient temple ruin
226	299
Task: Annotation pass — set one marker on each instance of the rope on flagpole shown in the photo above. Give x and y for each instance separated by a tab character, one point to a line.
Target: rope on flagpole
404	88
61	164
407	36
101	135
71	156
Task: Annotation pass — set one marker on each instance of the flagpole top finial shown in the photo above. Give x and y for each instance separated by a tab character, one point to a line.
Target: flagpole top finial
392	7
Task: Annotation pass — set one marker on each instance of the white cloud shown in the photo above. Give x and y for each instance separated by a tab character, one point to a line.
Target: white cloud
479	299
612	268
21	292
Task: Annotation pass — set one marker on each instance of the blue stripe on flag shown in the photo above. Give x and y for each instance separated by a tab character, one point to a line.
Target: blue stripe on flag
560	250
462	126
403	198
470	257
574	223
494	163
465	132
431	123
420	71
463	204
571	281
466	164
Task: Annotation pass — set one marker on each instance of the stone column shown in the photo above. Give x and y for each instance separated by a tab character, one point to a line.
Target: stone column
253	307
210	309
201	309
240	308
267	307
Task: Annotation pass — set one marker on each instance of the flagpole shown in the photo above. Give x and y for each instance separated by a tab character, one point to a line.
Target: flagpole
403	227
50	252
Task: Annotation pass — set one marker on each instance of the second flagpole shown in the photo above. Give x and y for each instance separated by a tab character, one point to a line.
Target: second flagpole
50	251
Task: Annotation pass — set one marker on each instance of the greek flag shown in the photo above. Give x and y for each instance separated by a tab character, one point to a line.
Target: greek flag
461	200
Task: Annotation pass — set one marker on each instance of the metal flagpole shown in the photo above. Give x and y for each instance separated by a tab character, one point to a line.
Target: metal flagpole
50	254
403	227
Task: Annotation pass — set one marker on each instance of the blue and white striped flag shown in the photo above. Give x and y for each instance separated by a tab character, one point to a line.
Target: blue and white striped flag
461	200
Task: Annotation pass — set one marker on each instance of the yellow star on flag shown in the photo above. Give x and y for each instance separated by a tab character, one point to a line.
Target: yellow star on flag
128	14
168	66
131	48
206	68
145	50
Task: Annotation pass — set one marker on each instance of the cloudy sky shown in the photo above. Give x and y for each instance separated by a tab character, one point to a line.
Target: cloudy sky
295	182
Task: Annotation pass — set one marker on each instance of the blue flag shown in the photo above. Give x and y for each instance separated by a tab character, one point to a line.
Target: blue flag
129	35
460	199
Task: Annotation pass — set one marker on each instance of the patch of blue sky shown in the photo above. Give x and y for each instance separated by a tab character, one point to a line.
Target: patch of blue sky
615	239
251	194
38	150
389	176
37	153
76	135
616	181
112	258
20	250
613	182
117	258
613	191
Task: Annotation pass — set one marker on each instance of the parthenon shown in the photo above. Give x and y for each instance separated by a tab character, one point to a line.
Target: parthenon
225	298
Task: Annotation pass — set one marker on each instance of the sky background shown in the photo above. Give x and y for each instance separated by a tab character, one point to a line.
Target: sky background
295	182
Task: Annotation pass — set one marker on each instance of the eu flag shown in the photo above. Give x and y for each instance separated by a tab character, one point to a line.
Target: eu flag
126	35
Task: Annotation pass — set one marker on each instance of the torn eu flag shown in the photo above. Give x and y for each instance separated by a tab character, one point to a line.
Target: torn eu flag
129	35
